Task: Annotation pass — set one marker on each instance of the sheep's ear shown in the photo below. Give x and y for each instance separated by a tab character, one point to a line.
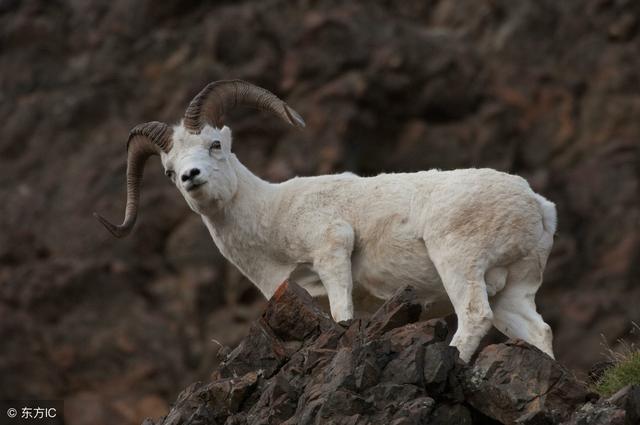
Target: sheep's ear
226	138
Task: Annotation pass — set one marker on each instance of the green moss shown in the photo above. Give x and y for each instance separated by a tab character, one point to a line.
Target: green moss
626	371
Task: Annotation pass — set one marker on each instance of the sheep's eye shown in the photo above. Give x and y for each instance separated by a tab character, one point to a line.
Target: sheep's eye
215	145
169	173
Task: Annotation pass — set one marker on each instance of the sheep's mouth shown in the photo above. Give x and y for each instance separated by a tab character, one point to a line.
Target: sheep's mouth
193	186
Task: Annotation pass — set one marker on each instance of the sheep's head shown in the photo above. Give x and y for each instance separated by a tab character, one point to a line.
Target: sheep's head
200	167
195	153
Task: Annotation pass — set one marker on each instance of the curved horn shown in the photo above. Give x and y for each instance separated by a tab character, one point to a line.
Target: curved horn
219	97
144	141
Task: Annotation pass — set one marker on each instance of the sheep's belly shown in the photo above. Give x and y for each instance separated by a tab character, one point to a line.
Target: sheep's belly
382	271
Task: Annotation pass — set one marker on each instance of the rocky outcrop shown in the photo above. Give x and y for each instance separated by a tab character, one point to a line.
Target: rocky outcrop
297	366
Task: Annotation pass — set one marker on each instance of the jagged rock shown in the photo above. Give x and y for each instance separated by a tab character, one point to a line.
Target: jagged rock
386	370
515	382
394	396
598	414
401	309
451	414
424	333
440	371
292	314
211	403
340	405
416	411
260	351
407	367
276	404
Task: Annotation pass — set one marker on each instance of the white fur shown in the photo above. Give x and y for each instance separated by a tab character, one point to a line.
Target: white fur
476	240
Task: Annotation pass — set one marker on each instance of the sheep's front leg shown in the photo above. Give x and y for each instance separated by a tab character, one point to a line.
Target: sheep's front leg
332	263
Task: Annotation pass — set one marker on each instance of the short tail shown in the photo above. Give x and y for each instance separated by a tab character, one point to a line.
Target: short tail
549	215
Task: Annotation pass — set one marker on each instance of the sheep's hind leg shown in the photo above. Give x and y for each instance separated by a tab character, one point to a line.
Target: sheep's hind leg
514	307
468	294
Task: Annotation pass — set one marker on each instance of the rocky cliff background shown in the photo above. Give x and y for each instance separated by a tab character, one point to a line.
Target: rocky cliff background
545	89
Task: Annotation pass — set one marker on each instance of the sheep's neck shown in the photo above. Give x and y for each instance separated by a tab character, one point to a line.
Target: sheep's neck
240	229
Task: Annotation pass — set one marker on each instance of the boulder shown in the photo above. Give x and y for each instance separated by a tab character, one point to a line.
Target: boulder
515	382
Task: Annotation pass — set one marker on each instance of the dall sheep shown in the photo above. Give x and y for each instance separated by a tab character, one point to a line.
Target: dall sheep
476	240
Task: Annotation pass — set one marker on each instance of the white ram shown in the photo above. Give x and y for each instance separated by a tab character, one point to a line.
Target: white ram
476	240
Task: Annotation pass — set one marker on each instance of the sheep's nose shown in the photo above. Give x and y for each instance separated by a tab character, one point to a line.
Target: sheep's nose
190	174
